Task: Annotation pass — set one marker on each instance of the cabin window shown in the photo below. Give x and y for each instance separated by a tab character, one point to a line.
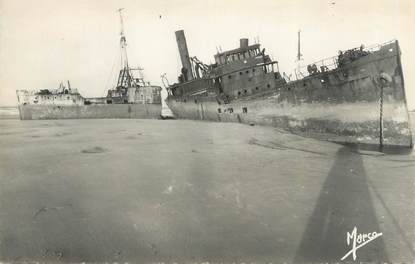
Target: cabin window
268	85
245	91
289	88
240	73
239	92
229	76
247	72
245	110
219	110
256	88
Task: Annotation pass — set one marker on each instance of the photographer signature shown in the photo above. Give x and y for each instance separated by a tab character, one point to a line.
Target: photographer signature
358	241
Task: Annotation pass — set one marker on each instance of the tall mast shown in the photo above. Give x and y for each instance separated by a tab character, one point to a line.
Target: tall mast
298	73
125	78
299	55
123	42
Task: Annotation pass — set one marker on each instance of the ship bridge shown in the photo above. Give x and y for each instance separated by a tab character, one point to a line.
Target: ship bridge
242	53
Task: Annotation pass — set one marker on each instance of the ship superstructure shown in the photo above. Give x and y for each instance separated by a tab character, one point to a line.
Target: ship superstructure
130	88
236	73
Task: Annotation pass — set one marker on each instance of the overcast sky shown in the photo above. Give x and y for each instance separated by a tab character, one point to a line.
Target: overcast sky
45	41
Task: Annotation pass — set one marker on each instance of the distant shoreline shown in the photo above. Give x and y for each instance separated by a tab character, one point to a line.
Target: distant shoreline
9	112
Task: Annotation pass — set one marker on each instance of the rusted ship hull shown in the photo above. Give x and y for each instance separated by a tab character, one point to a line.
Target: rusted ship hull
139	111
360	102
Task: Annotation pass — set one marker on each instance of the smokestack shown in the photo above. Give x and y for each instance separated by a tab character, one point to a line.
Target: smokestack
244	42
184	54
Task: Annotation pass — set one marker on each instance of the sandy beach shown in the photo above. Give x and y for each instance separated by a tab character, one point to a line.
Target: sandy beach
187	191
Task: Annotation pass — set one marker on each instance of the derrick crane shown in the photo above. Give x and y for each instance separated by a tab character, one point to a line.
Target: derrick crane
125	77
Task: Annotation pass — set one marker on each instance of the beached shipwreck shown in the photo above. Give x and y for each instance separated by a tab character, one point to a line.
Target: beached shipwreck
131	97
357	96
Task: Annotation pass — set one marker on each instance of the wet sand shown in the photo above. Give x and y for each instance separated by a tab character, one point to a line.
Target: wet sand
188	191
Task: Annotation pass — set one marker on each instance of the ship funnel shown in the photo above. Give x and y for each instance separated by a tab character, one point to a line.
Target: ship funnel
184	55
244	42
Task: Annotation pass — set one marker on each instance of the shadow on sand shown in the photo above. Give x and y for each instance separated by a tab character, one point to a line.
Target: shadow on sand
344	203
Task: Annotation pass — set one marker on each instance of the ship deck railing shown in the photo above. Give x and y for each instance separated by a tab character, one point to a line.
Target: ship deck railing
332	62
